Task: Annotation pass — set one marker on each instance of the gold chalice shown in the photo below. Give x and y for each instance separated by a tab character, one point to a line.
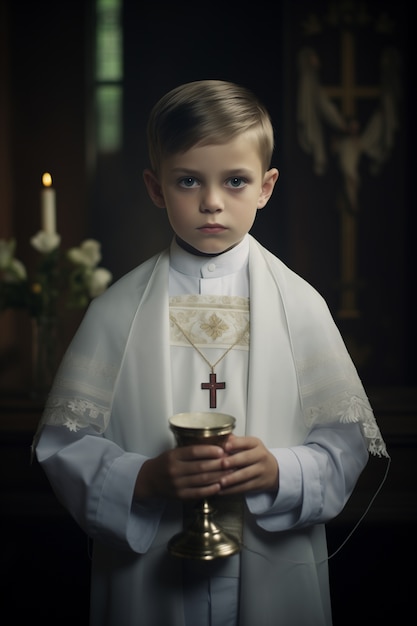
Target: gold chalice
203	539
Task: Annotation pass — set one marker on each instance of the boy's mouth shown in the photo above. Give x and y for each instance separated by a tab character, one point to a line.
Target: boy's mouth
211	228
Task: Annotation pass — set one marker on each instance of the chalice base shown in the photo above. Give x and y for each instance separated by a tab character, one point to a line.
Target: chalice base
203	539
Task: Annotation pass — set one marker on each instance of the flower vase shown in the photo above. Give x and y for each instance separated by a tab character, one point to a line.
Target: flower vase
45	345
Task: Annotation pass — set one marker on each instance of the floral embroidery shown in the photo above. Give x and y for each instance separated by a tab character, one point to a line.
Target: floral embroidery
350	409
215	327
210	321
72	424
75	413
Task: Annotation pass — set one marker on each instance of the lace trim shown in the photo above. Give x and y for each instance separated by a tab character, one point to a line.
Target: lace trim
75	413
348	409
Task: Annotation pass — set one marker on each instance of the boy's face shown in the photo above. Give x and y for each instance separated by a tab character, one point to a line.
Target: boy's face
212	193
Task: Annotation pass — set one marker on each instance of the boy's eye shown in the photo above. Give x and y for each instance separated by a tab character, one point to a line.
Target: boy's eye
236	182
188	181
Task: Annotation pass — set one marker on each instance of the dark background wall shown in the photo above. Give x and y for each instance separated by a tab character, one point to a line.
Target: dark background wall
49	120
47	123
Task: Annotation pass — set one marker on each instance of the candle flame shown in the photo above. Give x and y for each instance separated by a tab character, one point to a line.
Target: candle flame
46	179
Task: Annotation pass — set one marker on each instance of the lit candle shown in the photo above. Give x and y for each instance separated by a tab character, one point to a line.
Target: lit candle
48	213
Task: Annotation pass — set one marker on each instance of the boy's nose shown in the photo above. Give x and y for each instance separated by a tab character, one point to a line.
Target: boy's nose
211	202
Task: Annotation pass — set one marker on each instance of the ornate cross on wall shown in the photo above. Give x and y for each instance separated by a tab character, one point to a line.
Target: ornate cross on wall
336	106
348	93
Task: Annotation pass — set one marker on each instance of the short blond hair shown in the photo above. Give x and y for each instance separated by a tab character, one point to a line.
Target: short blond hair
207	112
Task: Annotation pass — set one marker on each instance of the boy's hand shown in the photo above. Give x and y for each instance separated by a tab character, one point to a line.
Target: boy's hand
185	472
251	467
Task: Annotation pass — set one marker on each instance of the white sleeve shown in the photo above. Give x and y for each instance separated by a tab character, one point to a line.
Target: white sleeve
94	479
315	479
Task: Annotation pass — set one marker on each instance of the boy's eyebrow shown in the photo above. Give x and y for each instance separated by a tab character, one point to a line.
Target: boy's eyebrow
228	172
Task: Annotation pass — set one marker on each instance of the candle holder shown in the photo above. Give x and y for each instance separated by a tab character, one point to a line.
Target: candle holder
203	539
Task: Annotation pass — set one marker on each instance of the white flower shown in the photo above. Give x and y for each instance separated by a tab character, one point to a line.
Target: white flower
45	242
16	272
13	270
88	253
98	281
7	249
83	282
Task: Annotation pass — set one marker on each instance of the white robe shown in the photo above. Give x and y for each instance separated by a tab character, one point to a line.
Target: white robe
116	381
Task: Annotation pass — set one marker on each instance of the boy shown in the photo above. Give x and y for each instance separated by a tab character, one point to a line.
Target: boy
214	323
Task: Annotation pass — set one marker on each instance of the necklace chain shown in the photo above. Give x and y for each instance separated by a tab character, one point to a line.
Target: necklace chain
188	338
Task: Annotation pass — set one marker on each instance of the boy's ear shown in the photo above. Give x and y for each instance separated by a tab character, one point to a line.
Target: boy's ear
154	188
270	178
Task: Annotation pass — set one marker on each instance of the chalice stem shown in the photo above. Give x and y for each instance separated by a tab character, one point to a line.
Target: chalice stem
203	523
